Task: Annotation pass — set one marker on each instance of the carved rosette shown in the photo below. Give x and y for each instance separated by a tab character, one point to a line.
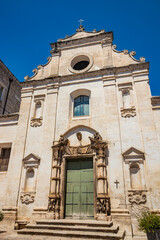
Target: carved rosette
137	197
128	112
36	122
27	198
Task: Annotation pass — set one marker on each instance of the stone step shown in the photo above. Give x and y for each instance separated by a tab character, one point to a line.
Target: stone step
74	228
74	235
72	222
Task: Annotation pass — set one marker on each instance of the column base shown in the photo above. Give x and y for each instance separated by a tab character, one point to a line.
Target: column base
103	217
10	214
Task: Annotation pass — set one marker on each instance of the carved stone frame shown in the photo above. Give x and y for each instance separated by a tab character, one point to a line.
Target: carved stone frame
63	151
29	162
37	122
129	111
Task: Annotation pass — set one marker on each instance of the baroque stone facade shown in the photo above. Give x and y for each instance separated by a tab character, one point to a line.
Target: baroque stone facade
88	129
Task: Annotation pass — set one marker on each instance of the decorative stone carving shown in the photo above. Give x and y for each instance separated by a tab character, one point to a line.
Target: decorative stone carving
36	122
62	148
131	54
102	205
78	150
79	136
97	144
137	197
27	198
54	205
138	200
128	112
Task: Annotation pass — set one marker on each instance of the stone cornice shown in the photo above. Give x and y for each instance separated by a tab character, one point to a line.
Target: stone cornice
10	117
101	72
61	43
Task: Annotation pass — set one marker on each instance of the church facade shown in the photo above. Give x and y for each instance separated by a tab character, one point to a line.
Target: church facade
86	142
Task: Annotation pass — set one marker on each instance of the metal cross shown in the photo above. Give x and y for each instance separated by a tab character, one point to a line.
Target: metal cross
116	182
80	21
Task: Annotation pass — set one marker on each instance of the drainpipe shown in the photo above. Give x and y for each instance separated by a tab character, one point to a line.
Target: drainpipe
4	108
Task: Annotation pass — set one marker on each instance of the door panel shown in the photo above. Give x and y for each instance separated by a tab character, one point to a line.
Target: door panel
79	189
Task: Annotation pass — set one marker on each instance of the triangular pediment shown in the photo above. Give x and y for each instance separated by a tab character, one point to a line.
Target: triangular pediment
133	153
81	34
31	159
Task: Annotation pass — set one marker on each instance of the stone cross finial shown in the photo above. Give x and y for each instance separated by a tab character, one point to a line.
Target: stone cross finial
81	28
80	21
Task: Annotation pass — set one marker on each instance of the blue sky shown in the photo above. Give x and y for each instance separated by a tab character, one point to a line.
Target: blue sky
27	28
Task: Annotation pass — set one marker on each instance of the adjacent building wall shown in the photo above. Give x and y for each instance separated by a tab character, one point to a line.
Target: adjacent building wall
10	97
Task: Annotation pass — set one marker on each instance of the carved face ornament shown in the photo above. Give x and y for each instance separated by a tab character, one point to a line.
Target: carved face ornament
79	136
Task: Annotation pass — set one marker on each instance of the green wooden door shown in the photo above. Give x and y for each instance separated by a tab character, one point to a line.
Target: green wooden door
79	189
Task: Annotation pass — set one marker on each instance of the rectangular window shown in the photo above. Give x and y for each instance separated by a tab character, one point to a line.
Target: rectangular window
1	92
81	106
4	159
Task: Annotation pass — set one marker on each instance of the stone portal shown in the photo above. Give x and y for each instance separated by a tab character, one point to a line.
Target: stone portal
67	158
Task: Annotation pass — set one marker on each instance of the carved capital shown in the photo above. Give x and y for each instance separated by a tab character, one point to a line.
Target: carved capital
60	148
27	198
98	145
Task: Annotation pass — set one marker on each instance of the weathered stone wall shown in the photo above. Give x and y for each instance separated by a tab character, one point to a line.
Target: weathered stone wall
13	100
8	128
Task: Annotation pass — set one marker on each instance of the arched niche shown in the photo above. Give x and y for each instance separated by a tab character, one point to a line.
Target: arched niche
38	109
29	178
86	132
135	176
134	169
29	181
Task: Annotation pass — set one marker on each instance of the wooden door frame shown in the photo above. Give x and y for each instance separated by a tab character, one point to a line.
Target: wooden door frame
63	180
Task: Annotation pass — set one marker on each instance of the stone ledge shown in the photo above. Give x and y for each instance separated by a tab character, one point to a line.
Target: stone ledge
119	211
9	117
105	71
